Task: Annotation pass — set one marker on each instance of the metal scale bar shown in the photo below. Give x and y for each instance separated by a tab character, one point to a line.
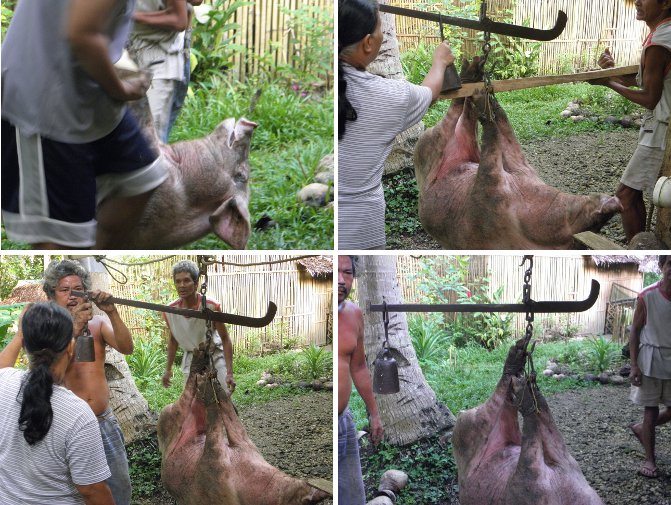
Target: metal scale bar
532	306
224	317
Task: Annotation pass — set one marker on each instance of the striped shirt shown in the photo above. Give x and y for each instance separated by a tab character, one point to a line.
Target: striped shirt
46	472
385	108
654	352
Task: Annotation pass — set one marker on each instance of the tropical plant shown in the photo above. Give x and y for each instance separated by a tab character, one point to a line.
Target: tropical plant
147	362
601	354
428	338
316	361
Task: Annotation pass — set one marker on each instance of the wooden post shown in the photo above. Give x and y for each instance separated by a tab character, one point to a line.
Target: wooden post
663	230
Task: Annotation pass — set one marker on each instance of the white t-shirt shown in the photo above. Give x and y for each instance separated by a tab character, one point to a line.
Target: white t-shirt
654	353
46	472
188	331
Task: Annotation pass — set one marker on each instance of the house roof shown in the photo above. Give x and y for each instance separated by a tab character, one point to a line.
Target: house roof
319	267
646	263
26	291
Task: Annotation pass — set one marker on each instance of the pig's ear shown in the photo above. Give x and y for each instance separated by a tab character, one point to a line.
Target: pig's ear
242	131
230	222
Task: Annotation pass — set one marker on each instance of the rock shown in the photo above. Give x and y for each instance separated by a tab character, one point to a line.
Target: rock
604	378
380	500
559	376
578	118
317	385
627	121
328	386
645	241
611	120
548	373
589	377
566	113
618	380
315	195
551	365
325	170
573	105
625	370
272	385
261	383
266	375
393	480
303	384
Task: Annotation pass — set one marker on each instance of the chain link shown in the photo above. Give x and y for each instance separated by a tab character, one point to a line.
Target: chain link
203	262
526	297
385	320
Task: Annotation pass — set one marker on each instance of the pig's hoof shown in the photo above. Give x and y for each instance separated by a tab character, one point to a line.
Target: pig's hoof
517	358
525	396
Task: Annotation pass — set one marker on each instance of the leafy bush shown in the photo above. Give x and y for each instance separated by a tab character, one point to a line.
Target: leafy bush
602	354
428	338
147	362
317	362
9	315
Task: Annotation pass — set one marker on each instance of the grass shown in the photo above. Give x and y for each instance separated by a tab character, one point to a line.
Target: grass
294	133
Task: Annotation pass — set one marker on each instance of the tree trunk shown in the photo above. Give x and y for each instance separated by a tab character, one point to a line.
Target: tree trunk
388	64
414	412
130	407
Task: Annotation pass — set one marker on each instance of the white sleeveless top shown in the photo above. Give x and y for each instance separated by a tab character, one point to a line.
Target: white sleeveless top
654	355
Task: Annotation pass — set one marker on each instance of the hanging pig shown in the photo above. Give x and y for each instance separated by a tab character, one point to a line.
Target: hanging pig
206	189
208	458
494	199
498	464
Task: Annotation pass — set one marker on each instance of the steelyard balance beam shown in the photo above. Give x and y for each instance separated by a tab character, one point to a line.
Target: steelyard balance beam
468	89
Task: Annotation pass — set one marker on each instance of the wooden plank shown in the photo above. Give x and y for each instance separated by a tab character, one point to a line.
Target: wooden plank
323	484
534	82
596	242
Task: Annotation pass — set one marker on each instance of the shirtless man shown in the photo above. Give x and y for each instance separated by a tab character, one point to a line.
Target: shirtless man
87	380
352	368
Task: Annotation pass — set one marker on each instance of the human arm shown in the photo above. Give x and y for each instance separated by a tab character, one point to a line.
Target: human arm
640	315
85	31
173	18
96	494
364	384
115	332
172	351
228	354
442	58
10	353
657	59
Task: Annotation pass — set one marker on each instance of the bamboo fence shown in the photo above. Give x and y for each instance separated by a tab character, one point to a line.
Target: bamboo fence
267	30
591	27
565	278
304	304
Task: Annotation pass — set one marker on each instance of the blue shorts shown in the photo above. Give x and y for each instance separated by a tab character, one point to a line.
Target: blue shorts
350	480
115	452
50	189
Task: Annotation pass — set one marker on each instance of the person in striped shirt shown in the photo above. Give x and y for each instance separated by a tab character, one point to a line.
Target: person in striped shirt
371	112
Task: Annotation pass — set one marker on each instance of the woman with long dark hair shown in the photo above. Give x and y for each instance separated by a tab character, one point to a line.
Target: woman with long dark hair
50	445
371	112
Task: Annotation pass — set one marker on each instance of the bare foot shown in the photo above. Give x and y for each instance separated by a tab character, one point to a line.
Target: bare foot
636	430
648	470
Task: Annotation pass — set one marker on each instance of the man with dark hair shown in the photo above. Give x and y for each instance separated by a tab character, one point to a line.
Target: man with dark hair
650	348
189	333
352	368
87	379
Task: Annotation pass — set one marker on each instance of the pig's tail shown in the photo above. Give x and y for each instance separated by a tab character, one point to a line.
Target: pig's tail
47	331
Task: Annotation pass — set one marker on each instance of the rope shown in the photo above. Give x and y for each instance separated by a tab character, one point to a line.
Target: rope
123	278
286	260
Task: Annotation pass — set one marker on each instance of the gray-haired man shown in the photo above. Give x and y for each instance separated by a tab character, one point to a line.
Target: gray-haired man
189	333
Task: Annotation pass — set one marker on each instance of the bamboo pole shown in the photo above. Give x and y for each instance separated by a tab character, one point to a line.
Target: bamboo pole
535	82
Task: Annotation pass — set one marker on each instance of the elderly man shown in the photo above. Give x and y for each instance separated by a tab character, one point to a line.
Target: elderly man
351	368
650	348
189	333
87	379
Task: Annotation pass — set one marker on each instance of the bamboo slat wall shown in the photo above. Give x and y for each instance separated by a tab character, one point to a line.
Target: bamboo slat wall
304	304
554	278
592	25
265	29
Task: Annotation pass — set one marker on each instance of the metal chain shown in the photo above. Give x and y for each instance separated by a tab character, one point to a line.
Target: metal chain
203	262
526	297
385	320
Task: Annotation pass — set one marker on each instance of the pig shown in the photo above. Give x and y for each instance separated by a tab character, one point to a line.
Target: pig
206	189
499	464
207	457
493	199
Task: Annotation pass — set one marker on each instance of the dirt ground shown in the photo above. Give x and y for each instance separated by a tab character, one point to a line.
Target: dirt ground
580	164
294	434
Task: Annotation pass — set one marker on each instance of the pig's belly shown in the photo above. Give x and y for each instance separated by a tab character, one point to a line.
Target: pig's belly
180	462
487	480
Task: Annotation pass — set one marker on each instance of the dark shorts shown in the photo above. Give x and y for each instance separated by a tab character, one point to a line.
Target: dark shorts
50	189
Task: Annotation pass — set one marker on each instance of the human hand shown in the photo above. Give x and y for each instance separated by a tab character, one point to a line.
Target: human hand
443	54
635	376
82	313
376	429
167	378
606	60
230	382
604	81
134	87
100	298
